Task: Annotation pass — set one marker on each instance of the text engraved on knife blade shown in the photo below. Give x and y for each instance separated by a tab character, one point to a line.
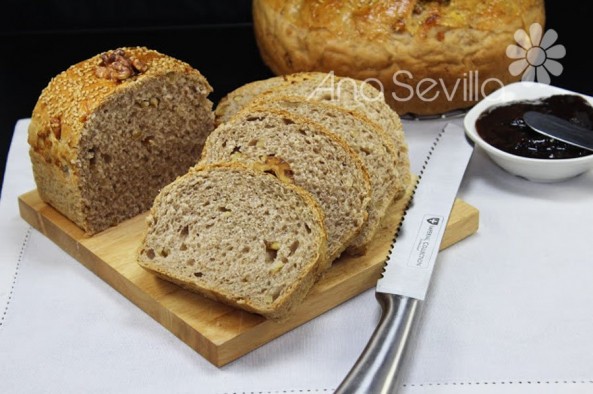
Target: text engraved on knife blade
426	241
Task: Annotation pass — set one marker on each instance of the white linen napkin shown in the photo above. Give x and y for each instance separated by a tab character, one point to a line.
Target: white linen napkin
510	309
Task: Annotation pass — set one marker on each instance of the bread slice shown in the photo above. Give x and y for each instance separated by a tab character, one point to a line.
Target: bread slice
238	236
375	149
306	153
108	133
348	93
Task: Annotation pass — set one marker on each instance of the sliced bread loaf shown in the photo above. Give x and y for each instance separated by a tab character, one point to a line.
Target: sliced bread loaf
369	141
236	235
345	92
306	153
108	133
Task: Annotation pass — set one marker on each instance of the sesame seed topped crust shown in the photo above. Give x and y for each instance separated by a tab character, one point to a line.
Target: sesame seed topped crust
71	98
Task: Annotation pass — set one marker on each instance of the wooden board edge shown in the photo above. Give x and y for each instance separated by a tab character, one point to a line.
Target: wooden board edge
47	226
462	224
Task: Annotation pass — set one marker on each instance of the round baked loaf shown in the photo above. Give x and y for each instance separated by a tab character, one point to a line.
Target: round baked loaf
456	47
108	133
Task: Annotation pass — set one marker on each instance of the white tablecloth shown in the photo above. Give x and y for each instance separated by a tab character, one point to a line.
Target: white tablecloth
510	309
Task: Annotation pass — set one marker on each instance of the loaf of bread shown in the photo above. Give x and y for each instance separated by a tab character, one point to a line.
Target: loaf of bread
457	47
303	152
108	133
375	149
237	235
346	93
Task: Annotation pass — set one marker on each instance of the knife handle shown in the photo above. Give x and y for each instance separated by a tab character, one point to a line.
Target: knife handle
378	370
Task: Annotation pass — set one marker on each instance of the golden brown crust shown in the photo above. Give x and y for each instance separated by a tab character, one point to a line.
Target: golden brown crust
376	39
58	188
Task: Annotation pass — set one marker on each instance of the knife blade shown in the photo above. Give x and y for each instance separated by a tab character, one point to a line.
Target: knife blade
409	266
560	129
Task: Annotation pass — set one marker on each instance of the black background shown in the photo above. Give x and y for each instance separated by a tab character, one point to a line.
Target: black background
39	39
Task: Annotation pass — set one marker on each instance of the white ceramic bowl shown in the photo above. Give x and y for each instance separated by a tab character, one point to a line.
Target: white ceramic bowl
538	170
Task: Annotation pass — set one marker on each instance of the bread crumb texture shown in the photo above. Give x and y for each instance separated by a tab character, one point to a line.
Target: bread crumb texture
320	161
346	93
237	235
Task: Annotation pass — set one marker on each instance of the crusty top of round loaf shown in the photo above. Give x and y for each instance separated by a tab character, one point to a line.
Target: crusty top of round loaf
438	39
72	96
380	19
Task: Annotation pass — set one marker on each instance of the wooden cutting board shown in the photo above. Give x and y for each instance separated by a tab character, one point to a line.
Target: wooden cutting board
219	333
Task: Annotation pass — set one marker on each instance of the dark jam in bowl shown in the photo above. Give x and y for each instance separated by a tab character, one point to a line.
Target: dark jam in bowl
503	127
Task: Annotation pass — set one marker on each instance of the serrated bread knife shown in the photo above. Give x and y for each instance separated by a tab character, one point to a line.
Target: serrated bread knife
409	266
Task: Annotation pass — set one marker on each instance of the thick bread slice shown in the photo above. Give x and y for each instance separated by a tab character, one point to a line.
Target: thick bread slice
346	92
108	133
369	141
306	153
236	235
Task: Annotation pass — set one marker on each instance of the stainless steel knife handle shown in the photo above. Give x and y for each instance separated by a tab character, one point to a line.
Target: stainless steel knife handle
378	370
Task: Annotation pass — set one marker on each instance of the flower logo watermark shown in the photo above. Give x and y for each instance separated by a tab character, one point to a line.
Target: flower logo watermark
537	56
